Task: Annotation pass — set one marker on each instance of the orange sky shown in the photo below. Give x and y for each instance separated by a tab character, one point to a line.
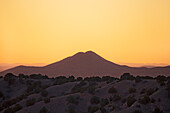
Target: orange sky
134	32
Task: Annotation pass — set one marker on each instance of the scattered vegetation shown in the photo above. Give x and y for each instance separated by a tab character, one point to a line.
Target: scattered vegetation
137	111
168	88
44	93
73	99
144	100
104	102
132	90
95	100
130	100
92	109
30	102
79	87
157	110
43	110
115	98
46	100
127	76
112	90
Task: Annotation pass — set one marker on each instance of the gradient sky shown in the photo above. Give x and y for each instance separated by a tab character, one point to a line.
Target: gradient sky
123	31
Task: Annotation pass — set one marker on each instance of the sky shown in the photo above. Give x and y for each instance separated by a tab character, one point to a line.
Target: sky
39	32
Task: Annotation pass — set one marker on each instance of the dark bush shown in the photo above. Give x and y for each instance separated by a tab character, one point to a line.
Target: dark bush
46	100
73	100
91	90
150	91
168	88
127	76
116	98
1	94
132	90
23	76
161	78
92	109
8	110
144	100
152	100
30	102
130	100
44	93
60	80
10	78
94	79
71	79
79	87
38	76
104	102
17	108
95	100
137	111
143	91
8	103
108	79
43	110
71	109
103	110
79	78
123	100
157	110
138	79
112	90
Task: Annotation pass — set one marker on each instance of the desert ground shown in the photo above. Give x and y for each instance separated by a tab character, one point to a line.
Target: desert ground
128	94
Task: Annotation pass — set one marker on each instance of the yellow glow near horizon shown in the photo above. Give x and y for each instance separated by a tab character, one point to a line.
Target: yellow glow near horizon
45	31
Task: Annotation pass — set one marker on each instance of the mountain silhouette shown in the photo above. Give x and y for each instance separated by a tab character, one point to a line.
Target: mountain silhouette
87	64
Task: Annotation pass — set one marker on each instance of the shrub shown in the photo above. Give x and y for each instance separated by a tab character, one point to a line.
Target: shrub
8	103
91	90
138	79
30	102
17	108
143	91
92	109
1	94
60	80
157	110
113	107
137	111
103	110
144	100
132	90
44	93
150	91
112	90
71	78
95	100
46	100
104	102
127	76
123	100
73	100
79	78
152	100
71	109
43	110
168	88
116	98
130	100
79	87
8	110
10	78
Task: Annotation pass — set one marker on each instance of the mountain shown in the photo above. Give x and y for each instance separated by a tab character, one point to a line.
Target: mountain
87	64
